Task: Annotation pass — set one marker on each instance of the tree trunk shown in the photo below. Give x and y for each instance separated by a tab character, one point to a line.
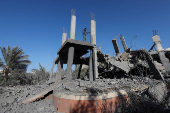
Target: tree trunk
6	74
38	78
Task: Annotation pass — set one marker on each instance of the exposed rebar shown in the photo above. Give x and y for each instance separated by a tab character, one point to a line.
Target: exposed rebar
73	12
92	16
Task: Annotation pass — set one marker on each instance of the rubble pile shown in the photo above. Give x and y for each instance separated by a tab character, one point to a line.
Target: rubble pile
101	84
12	97
143	72
11	100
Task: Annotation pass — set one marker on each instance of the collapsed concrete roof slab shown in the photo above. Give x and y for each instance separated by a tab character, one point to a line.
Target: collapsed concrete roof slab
80	60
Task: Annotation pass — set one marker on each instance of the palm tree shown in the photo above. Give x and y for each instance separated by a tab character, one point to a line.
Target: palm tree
1	63
13	59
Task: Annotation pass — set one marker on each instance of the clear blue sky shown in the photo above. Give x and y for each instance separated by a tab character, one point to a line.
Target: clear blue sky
36	25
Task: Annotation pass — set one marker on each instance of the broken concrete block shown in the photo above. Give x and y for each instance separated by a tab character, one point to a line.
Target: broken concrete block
71	84
112	82
10	100
70	88
123	80
84	83
13	93
158	92
18	91
156	38
41	109
89	85
4	109
134	80
6	94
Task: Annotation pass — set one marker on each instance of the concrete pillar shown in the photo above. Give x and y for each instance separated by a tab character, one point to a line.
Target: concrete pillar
60	67
94	51
164	60
93	32
73	27
116	47
64	36
90	67
60	63
95	63
70	62
156	39
79	71
123	43
77	66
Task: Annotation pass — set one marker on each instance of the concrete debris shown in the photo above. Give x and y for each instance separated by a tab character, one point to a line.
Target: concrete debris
158	92
13	103
84	83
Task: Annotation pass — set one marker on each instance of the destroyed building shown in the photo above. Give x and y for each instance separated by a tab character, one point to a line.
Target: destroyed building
108	77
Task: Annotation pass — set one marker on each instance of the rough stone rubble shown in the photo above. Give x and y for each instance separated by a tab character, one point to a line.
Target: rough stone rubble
12	97
11	100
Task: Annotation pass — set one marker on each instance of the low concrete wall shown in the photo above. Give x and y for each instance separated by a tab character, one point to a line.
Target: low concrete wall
88	104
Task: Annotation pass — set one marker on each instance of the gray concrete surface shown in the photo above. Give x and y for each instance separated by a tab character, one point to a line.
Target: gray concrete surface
60	67
70	62
93	32
123	43
116	47
91	66
73	27
64	37
95	66
156	39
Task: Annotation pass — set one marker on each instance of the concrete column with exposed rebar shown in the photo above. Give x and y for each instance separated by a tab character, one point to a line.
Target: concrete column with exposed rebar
60	63
64	36
73	25
156	39
116	47
93	32
123	43
71	49
93	41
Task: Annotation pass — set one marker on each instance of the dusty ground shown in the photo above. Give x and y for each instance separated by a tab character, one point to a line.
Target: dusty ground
11	100
11	97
